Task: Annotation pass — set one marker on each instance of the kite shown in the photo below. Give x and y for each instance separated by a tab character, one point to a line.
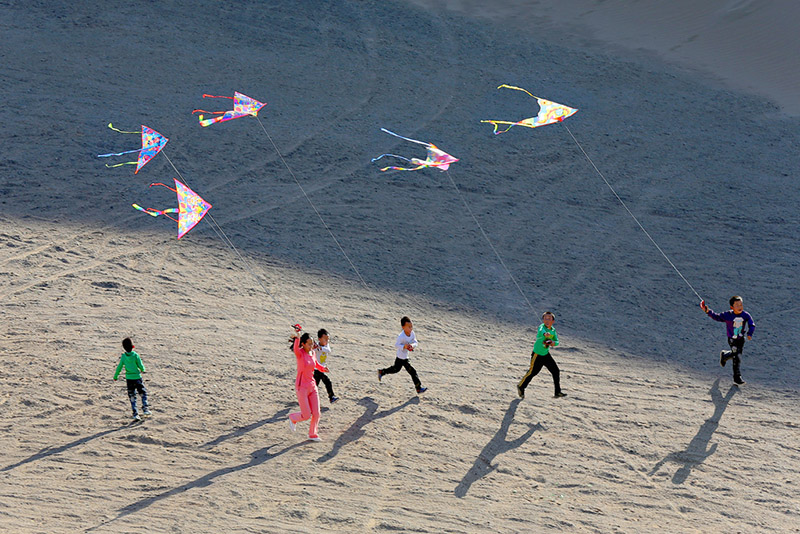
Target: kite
243	106
152	143
436	158
549	113
191	208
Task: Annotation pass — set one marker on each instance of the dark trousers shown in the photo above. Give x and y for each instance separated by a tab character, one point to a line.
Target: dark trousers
133	387
399	364
318	375
537	362
735	354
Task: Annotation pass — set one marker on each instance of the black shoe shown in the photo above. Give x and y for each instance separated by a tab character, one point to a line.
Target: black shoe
520	392
334	398
738	381
421	389
722	358
560	394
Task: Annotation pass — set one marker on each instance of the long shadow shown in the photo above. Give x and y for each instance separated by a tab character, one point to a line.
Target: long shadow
497	445
50	451
240	431
698	450
356	430
256	458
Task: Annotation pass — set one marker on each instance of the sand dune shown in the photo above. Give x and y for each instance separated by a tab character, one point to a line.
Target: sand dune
652	435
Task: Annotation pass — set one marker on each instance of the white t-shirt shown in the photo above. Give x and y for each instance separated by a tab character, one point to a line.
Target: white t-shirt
323	352
402	341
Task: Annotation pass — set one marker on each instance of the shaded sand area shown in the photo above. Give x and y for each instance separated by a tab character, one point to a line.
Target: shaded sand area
652	435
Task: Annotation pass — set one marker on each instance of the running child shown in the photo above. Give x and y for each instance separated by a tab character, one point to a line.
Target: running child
406	342
304	385
133	376
734	320
546	338
323	350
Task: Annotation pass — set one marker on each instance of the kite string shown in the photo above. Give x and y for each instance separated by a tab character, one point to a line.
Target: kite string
352	265
631	213
225	239
485	236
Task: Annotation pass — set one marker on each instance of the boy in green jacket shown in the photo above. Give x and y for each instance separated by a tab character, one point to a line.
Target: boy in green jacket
546	337
133	369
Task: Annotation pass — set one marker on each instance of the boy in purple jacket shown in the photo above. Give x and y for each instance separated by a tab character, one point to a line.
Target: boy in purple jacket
734	320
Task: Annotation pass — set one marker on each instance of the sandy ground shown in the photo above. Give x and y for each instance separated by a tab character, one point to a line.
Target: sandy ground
652	435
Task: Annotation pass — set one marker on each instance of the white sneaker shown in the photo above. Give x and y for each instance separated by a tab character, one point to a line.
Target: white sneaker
147	411
136	417
315	438
292	425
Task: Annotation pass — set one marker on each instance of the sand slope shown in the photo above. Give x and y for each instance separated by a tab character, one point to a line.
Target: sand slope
652	434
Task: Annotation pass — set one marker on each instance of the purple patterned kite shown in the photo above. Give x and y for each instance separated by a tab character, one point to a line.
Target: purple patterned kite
436	158
191	208
152	143
243	106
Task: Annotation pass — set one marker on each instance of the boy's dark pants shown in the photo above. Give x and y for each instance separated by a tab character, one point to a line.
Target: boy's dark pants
737	345
399	364
318	375
133	387
537	362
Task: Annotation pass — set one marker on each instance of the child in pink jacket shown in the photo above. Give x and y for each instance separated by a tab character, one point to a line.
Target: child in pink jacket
304	385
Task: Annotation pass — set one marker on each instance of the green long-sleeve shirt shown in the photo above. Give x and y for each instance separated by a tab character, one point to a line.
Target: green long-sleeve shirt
133	366
541	335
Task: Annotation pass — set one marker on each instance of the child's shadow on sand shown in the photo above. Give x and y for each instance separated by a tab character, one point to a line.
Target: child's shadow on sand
697	450
256	458
50	451
356	430
497	445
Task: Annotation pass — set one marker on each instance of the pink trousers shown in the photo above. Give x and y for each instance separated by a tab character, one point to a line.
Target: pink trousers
309	407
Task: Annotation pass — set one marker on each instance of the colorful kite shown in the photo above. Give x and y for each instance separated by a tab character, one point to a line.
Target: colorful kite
243	106
191	208
152	143
436	158
549	112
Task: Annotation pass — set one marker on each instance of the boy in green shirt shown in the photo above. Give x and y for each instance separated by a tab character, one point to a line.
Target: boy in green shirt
546	337
133	369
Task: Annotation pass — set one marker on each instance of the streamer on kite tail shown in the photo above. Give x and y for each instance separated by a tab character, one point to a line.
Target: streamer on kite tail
155	212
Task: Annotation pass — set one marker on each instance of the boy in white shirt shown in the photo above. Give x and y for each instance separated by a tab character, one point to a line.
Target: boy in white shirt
323	351
406	342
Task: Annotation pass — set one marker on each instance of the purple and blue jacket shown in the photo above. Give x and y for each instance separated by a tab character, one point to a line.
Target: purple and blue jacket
734	323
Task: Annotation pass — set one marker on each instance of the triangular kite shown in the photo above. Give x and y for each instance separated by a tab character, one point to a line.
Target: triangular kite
549	113
191	208
436	158
243	106
152	143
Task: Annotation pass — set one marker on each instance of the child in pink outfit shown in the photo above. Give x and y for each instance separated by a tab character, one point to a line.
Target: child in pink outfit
305	386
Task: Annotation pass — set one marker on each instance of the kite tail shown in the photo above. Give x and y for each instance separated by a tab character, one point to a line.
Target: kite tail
497	123
209	122
391	155
213	96
121	164
204	111
517	88
156	213
406	138
164	185
120	131
119	153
